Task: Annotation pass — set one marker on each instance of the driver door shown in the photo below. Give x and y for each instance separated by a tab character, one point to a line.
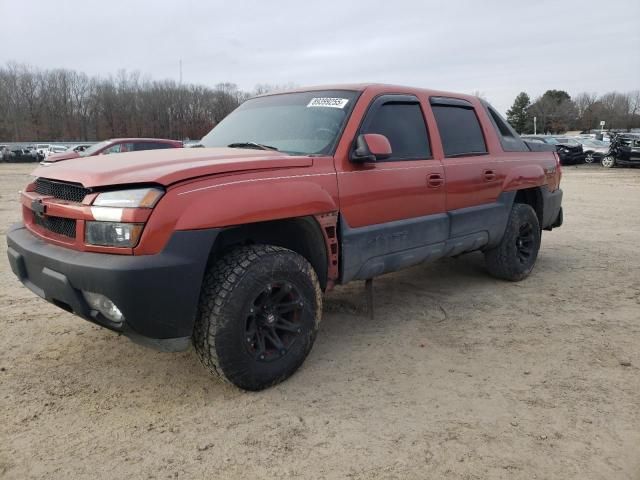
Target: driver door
392	209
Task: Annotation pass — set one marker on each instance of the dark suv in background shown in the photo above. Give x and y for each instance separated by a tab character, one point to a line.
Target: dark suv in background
569	150
624	150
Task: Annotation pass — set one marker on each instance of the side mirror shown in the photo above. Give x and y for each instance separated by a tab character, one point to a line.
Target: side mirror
371	147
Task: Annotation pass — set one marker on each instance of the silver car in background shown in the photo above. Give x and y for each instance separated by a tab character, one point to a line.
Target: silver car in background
594	149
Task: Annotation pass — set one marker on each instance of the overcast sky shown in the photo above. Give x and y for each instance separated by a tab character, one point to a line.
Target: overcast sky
498	48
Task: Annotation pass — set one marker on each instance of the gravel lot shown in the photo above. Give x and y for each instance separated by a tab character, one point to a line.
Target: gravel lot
458	376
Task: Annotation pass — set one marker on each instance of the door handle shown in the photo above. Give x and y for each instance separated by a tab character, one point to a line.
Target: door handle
434	180
489	175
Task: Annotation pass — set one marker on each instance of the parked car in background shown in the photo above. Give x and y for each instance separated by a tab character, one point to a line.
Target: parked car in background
569	150
42	149
54	149
624	150
192	144
22	154
116	145
594	150
80	147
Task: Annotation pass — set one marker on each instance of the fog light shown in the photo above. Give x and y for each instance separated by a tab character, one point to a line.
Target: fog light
105	306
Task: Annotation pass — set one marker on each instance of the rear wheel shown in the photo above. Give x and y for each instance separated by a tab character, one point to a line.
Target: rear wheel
259	311
608	161
513	259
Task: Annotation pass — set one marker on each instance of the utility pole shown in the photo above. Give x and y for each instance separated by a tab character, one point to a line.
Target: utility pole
535	129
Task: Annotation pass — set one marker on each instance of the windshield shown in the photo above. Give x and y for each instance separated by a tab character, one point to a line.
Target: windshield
304	123
94	148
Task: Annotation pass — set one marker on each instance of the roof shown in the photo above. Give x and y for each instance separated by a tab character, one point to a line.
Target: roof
378	87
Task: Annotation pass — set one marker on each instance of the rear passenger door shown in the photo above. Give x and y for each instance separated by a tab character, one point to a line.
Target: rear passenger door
473	176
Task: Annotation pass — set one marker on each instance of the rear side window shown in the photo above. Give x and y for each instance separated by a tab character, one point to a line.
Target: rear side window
509	139
404	127
459	131
500	124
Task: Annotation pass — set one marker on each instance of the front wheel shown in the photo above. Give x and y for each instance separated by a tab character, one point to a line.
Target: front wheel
589	158
608	161
258	316
514	257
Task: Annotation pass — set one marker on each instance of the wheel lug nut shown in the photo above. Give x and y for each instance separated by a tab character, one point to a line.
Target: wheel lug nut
261	357
282	352
299	330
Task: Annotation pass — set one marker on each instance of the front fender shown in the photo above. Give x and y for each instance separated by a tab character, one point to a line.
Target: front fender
254	201
237	200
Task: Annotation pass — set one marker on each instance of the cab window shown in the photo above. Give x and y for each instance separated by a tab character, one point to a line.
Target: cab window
403	124
459	128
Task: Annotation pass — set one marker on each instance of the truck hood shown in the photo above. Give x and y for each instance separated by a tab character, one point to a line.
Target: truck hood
165	167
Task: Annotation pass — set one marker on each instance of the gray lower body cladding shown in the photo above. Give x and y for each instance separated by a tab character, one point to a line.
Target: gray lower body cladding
376	249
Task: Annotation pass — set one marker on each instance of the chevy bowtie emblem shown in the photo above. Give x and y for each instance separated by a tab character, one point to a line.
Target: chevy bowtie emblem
38	207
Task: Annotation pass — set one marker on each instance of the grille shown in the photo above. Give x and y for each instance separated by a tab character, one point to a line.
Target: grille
72	192
59	225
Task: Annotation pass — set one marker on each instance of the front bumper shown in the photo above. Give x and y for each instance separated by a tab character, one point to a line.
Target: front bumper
158	294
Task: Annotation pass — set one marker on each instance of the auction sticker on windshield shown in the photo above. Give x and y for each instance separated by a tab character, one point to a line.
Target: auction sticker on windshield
328	102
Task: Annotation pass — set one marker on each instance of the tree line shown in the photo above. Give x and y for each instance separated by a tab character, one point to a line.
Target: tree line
65	105
556	112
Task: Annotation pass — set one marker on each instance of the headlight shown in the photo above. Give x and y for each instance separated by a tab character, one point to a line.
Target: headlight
108	208
134	198
112	234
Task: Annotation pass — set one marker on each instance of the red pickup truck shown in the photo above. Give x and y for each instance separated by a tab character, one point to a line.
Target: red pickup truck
231	245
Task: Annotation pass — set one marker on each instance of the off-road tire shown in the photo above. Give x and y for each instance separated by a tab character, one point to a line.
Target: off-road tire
506	261
608	161
229	292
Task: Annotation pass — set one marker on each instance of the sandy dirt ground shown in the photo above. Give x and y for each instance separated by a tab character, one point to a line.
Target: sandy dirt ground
459	375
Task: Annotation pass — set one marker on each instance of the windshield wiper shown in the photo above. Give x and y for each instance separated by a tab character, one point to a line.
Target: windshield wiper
254	145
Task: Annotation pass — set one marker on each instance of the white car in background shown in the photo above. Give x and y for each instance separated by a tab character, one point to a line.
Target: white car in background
42	149
53	149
